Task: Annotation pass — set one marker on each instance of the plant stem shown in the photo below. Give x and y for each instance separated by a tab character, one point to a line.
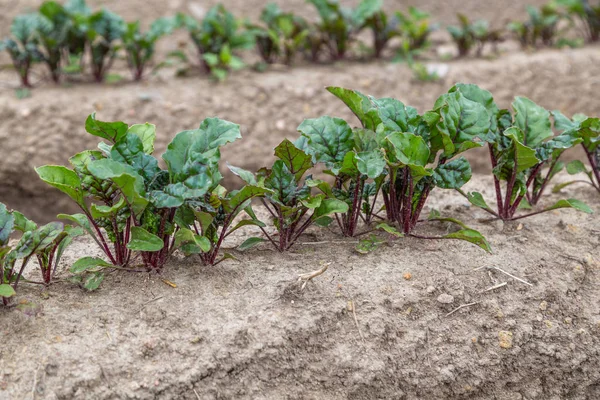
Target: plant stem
496	181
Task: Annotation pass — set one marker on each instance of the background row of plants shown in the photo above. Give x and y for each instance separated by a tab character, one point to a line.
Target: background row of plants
72	38
377	178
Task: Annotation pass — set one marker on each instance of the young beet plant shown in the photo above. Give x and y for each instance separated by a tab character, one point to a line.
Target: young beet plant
284	35
588	131
104	32
206	212
520	146
217	37
470	34
23	46
46	244
352	157
410	143
287	197
140	46
340	25
53	30
384	29
135	205
415	29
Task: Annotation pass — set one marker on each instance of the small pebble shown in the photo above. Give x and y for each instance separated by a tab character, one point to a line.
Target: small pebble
445	298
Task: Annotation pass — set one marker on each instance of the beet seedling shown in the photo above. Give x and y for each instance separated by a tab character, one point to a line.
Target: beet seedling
23	46
351	157
140	46
469	34
288	197
127	200
53	30
520	145
46	243
588	131
340	25
410	143
104	32
284	35
217	37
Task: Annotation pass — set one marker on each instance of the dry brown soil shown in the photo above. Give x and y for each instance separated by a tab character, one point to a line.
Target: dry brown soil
244	329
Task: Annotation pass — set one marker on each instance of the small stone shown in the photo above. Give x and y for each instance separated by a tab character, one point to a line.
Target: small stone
430	289
474	340
544	305
568	321
280	124
520	227
505	339
26	112
407	276
445	298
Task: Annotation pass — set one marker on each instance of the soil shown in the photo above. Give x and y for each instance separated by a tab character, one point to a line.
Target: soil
246	330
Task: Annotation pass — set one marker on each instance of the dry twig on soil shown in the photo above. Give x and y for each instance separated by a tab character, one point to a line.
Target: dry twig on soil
305	278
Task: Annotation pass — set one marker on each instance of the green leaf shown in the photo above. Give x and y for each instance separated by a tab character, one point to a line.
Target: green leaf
359	104
245	175
571	203
408	149
282	182
329	139
462	120
129	182
34	241
98	211
22	223
471	236
190	243
575	167
87	264
247	222
7	224
390	229
206	140
368	245
174	195
79	219
250	242
476	199
525	156
6	290
111	131
147	134
533	121
371	163
396	115
235	204
297	161
329	207
130	150
365	10
93	281
63	179
452	175
142	240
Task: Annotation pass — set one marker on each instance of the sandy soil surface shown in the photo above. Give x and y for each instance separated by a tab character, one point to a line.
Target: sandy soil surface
245	330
